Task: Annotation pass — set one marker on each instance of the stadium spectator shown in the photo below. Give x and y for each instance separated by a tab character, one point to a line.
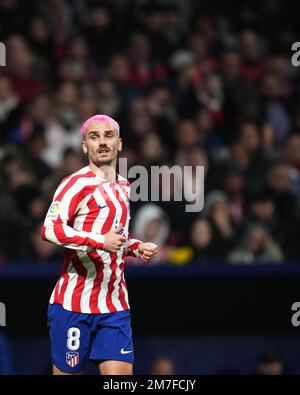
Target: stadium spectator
258	247
201	247
217	211
152	223
8	100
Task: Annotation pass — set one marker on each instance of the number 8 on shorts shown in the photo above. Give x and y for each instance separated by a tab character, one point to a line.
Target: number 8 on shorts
73	336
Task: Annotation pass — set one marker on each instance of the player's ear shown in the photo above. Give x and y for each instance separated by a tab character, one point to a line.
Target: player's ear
84	146
120	145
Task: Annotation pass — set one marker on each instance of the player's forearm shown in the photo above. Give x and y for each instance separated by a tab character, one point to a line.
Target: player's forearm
63	235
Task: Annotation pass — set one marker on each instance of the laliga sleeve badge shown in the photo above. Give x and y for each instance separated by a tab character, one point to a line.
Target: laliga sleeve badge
53	210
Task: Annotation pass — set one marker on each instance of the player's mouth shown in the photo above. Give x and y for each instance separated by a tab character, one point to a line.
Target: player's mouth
103	151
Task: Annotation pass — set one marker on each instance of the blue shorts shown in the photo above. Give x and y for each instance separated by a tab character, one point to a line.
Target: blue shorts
76	337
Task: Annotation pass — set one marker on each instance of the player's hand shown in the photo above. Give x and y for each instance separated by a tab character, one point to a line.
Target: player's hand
113	241
147	251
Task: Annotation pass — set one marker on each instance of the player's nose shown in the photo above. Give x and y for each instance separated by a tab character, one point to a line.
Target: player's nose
101	140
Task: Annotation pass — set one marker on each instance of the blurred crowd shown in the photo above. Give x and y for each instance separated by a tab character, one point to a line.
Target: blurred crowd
269	363
190	83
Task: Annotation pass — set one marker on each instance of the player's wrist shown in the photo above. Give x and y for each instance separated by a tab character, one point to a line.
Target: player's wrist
100	239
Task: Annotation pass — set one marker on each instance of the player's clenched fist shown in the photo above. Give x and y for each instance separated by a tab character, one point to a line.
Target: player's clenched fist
113	240
147	251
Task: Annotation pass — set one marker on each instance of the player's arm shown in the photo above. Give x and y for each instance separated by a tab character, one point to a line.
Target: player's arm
144	251
131	247
57	230
136	248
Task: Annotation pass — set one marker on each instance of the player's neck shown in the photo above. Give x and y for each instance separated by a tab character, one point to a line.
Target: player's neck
105	171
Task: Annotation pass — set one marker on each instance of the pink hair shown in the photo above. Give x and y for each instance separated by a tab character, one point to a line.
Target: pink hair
100	118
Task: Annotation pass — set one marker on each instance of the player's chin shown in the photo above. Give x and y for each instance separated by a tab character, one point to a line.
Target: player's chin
104	156
103	161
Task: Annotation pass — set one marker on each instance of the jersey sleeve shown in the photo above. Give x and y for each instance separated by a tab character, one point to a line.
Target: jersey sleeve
131	247
57	228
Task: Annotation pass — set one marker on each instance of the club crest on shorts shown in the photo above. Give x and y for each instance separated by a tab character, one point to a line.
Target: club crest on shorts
72	358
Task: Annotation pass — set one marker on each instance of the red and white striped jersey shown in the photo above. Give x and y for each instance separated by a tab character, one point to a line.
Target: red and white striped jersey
84	208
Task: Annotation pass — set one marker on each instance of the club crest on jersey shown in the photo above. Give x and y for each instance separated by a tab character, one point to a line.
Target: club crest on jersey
54	210
72	358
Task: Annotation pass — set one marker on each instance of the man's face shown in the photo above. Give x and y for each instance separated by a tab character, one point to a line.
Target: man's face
101	143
